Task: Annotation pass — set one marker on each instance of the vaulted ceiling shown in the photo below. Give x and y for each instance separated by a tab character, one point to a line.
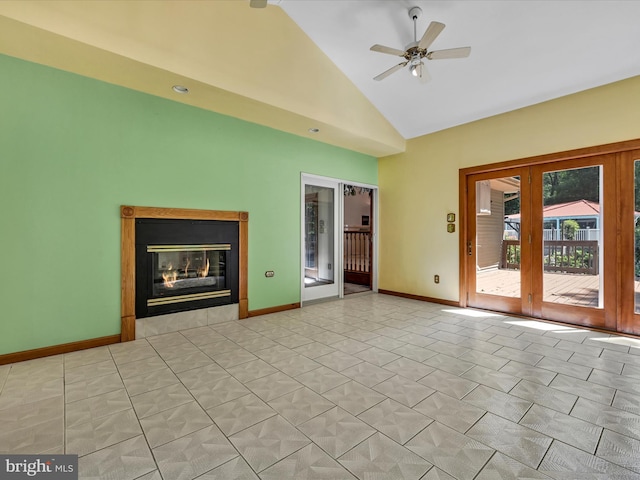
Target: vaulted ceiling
303	64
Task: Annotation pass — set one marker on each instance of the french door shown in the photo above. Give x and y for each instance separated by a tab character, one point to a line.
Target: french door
558	240
322	277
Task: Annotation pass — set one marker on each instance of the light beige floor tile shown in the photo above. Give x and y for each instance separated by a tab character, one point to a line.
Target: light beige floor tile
611	418
336	431
404	390
127	460
150	381
567	429
13	394
235	469
547	397
527	372
563	461
27	415
273	354
84	372
450	411
96	407
125	353
301	405
102	432
491	378
269	441
141	367
501	467
308	463
314	350
367	374
39	438
86	357
458	455
188	362
273	386
500	403
253	370
202	376
213	393
322	379
241	413
194	454
396	421
338	361
92	387
164	398
448	384
377	356
620	449
174	423
520	443
296	365
353	397
380	457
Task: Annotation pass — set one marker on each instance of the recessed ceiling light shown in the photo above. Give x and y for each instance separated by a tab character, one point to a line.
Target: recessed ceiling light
180	89
314	130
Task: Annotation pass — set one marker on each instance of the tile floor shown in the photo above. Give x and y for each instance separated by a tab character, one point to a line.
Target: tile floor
370	387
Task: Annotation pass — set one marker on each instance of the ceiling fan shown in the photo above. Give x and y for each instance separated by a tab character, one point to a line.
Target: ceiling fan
417	51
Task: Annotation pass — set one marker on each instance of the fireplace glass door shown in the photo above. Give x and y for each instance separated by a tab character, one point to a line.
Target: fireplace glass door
186	272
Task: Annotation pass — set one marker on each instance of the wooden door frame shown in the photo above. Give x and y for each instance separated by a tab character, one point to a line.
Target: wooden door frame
516	305
626	322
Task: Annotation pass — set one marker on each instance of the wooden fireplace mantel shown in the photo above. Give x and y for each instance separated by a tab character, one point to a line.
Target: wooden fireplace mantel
129	214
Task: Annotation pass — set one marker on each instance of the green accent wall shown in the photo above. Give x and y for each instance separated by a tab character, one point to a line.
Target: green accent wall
73	149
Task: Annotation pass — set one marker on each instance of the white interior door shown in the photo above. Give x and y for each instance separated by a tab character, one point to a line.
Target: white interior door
321	221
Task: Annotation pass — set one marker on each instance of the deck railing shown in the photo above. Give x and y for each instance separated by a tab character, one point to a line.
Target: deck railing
357	251
567	256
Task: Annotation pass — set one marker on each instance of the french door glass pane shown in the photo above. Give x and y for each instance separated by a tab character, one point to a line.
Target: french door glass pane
319	236
498	237
572	236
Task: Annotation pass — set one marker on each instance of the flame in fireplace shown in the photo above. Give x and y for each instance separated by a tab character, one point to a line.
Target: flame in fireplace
186	268
204	271
170	276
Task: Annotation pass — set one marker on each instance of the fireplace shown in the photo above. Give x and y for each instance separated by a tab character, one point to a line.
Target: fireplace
185	265
176	259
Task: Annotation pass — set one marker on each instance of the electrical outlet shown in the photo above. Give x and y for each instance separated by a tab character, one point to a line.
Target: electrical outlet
269	273
436	278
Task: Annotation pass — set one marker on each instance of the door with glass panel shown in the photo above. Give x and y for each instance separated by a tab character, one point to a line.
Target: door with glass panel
629	243
497	246
320	236
573	238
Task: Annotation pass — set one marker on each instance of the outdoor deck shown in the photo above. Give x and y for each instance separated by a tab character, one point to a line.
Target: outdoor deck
572	289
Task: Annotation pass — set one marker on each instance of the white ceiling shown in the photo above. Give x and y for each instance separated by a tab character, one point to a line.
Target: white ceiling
523	52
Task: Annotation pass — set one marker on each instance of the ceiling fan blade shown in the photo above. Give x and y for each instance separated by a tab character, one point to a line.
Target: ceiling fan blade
389	50
433	30
386	73
257	3
461	52
423	74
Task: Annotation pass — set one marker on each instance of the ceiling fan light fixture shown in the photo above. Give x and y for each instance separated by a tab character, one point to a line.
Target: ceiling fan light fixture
416	68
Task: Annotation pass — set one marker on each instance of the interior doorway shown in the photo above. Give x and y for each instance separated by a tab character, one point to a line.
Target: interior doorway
338	238
357	239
